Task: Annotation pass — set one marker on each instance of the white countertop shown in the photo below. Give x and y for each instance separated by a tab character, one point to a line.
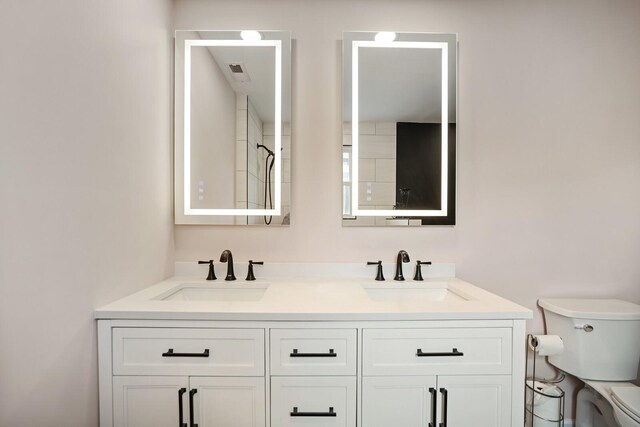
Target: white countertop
313	299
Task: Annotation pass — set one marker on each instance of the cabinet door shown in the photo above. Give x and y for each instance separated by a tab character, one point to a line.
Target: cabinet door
399	401
228	401
313	401
149	401
475	400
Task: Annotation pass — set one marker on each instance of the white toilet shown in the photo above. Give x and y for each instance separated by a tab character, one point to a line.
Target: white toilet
601	340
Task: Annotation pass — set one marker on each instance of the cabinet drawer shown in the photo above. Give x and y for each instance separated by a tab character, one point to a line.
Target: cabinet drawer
313	352
175	351
313	401
436	351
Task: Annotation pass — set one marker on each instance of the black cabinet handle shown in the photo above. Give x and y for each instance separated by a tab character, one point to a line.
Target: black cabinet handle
295	413
191	393
180	412
432	391
170	353
454	352
445	395
296	354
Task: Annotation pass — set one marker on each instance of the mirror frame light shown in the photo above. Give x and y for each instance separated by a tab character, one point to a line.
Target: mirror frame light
445	57
188	44
184	213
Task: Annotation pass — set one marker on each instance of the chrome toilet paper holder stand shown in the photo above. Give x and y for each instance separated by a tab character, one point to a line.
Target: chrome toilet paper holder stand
533	392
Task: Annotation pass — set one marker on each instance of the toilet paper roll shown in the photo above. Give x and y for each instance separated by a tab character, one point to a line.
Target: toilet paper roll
546	345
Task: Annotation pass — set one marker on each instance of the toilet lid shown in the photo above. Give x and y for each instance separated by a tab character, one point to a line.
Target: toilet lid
628	398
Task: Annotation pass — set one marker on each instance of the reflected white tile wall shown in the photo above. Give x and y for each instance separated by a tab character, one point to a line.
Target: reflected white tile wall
255	161
251	161
385	128
385	170
377	147
241	156
377	165
376	193
366	128
367	170
241	186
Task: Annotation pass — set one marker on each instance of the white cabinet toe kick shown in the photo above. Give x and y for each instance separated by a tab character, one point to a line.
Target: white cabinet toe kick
453	373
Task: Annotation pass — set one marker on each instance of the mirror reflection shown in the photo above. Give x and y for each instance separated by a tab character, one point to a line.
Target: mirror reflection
233	127
399	133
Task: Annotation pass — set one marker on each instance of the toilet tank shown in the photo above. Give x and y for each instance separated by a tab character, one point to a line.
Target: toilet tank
610	352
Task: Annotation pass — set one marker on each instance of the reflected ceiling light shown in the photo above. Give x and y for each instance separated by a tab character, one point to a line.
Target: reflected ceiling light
250	35
385	36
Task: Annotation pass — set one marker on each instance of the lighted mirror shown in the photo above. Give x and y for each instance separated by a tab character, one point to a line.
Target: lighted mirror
232	127
399	130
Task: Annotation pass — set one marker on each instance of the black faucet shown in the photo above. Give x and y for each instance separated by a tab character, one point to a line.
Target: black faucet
212	273
403	256
228	258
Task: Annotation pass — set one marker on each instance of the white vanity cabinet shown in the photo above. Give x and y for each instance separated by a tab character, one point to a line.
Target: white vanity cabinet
401	401
159	401
449	377
313	401
339	373
313	376
168	376
149	401
429	401
228	401
476	400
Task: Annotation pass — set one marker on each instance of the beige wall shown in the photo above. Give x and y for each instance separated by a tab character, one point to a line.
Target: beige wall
85	190
549	143
549	152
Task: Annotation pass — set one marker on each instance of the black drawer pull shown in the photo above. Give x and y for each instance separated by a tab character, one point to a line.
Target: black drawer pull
454	352
295	413
296	354
180	411
445	409
432	391
191	417
170	353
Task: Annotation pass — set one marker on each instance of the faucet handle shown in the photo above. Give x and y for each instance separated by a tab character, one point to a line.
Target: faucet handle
250	275
212	273
379	275
418	275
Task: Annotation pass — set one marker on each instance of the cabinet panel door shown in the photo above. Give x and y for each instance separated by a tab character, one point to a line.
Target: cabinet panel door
229	401
149	401
313	401
475	400
398	401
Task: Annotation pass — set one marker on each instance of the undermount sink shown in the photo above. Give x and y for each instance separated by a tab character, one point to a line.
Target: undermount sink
233	291
414	292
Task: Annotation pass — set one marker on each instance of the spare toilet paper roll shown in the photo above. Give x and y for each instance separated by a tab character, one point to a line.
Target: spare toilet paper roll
546	345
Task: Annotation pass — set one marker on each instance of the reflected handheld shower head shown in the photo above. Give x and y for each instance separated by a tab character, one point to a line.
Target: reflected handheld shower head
266	148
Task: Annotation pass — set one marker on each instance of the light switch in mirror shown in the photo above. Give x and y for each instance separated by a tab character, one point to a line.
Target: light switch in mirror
232	127
399	130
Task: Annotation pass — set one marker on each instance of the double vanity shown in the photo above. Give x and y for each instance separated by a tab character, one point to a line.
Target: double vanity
313	345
